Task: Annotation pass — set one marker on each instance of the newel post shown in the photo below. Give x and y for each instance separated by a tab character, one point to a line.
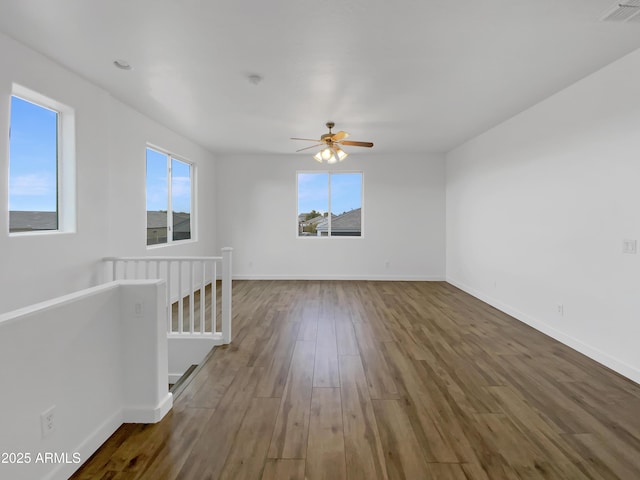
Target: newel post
226	294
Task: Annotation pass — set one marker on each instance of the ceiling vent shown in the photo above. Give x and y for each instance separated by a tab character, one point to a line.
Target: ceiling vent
625	11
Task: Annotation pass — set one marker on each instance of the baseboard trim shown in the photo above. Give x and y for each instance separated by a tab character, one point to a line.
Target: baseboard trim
599	356
148	414
88	447
94	441
373	278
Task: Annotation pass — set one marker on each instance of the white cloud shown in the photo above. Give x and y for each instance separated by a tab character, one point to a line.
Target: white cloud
181	187
32	185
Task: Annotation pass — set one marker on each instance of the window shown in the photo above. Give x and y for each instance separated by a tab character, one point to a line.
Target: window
169	198
330	204
41	164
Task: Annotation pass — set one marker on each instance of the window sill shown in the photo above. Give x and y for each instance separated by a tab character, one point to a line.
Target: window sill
172	244
41	233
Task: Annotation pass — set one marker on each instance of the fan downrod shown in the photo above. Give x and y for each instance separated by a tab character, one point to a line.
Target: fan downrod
326	138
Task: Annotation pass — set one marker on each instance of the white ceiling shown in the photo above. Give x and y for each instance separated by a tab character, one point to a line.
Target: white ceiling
409	75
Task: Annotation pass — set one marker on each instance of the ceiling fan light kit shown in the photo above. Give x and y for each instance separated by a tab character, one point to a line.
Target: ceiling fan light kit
331	142
331	155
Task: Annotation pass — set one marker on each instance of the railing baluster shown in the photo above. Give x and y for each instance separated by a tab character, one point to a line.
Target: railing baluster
214	298
180	302
191	299
169	304
173	272
203	294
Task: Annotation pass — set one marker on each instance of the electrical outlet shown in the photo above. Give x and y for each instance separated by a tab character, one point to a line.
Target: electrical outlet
48	421
561	310
629	246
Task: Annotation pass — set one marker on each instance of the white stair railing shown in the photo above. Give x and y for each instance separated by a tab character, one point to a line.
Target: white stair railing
192	297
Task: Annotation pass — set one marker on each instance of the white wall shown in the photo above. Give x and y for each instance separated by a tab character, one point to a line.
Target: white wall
403	219
538	208
110	158
94	358
38	267
130	133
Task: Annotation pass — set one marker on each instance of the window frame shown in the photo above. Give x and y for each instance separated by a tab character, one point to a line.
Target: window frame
192	215
66	189
329	174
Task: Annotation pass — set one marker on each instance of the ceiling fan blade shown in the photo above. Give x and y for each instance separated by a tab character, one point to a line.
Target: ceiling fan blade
339	136
356	144
312	146
306	139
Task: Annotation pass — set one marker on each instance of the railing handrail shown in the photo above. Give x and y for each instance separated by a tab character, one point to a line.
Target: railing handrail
160	259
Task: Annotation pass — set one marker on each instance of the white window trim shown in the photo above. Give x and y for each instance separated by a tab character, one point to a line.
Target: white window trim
192	218
329	173
66	161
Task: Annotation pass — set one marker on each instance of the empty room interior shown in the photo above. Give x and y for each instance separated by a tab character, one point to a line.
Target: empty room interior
319	239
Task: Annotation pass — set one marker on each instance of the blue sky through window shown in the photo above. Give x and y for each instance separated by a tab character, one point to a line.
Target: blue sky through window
180	186
313	192
158	186
157	181
346	192
33	157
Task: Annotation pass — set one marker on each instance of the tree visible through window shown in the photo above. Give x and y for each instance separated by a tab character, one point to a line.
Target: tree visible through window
169	198
330	204
33	167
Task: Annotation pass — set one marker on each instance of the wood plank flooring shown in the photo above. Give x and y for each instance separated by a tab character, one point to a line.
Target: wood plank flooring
383	380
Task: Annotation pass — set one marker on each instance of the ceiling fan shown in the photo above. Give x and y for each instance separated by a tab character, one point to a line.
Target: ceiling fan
332	142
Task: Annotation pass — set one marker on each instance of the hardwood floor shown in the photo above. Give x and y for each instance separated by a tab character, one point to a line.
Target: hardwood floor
384	380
